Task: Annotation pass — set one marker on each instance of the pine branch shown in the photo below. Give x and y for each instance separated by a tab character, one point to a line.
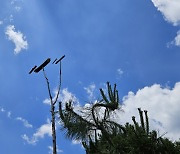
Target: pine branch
77	127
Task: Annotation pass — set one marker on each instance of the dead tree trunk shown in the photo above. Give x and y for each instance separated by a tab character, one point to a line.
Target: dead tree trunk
53	128
53	124
53	102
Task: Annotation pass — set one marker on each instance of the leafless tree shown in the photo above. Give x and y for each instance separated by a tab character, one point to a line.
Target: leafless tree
52	101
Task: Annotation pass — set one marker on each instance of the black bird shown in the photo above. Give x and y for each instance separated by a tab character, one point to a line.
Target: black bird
42	65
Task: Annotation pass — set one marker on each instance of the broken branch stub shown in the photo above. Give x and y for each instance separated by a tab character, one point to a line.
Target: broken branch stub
42	65
54	61
60	59
32	69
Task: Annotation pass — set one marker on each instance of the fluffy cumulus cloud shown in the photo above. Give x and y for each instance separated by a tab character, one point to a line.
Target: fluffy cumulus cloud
17	38
43	130
170	10
64	97
25	122
162	104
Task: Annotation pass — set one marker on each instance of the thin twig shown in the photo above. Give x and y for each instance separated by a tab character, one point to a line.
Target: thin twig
48	85
60	76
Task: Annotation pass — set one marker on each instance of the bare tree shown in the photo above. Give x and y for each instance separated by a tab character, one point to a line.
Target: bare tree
52	101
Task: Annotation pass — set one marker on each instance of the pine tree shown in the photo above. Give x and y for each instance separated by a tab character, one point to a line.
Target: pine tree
100	134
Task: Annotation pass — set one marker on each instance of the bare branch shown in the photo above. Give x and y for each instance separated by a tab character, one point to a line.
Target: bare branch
59	87
32	69
60	59
48	85
42	66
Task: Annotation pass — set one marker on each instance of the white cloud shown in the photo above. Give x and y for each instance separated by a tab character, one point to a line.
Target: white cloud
28	140
25	122
17	38
76	142
120	72
43	130
176	39
9	114
47	101
64	97
170	10
2	109
51	150
1	22
90	91
162	105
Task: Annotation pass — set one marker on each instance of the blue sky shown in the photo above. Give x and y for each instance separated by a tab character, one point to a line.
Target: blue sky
135	44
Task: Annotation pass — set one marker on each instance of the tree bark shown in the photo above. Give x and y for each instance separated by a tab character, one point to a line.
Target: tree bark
52	115
53	129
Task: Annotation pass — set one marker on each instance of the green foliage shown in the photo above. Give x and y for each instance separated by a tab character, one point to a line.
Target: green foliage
99	134
76	127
